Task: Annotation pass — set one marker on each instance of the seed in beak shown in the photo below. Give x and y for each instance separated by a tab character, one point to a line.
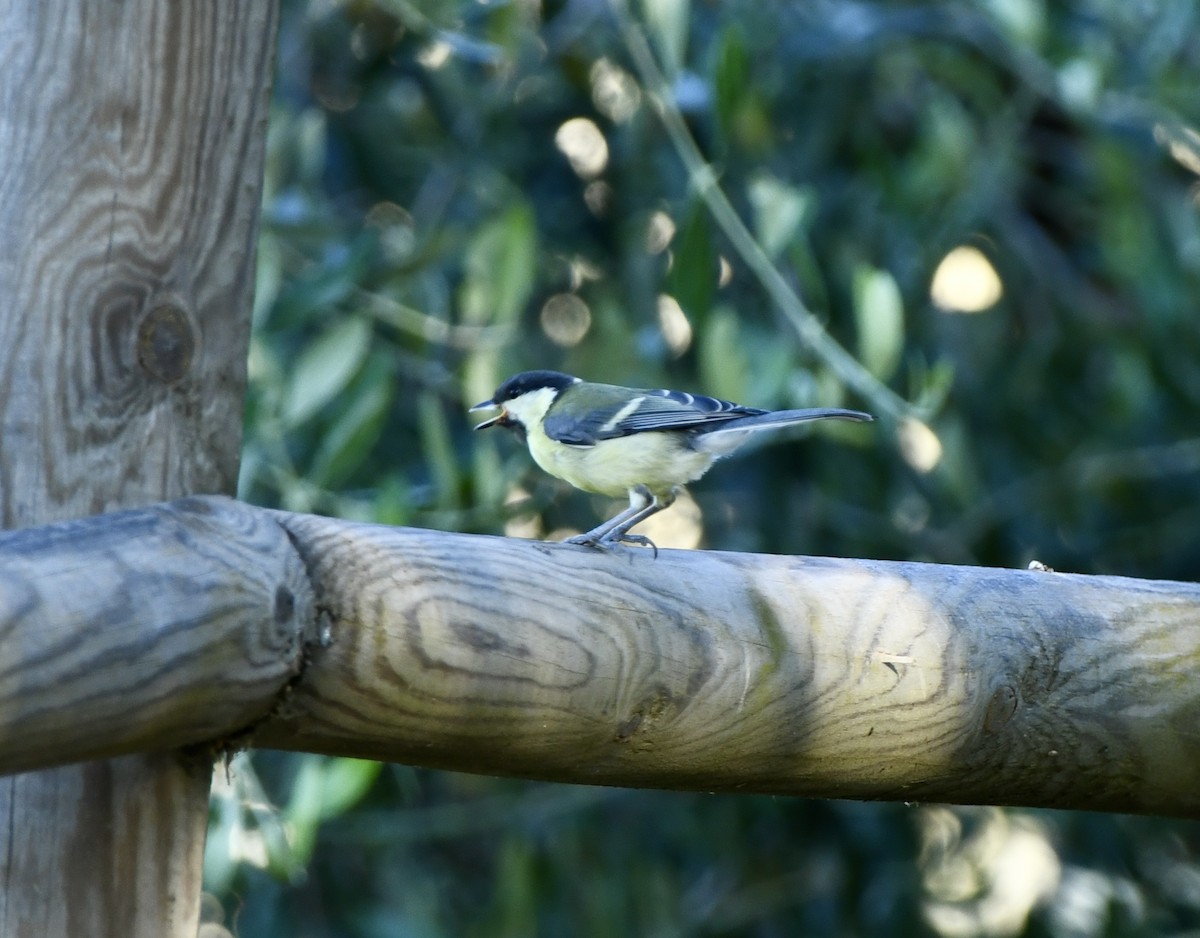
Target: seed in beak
500	418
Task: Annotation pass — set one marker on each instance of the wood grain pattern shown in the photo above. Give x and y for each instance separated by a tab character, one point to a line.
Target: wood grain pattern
132	137
131	141
145	630
151	882
810	676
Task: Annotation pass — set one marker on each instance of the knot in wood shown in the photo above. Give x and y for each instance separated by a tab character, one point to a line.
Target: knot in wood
166	343
1000	709
285	605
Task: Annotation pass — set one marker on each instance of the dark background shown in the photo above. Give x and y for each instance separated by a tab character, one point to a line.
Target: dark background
432	224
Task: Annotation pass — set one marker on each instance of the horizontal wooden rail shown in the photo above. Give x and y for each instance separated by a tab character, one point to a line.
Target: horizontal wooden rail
695	670
145	630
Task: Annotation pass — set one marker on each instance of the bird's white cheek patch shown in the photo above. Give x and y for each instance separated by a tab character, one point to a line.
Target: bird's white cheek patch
531	408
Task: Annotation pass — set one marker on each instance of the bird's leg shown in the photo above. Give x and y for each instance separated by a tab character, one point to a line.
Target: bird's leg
639	499
642	504
619	532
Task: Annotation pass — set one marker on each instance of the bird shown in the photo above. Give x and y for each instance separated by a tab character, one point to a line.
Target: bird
612	440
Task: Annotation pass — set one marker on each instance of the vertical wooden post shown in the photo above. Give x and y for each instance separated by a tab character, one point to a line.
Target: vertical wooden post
131	146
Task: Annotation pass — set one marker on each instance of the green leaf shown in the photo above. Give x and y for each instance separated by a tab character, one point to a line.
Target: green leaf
807	270
354	434
931	384
438	451
693	276
723	364
731	78
487	472
667	22
345	783
501	261
879	315
323	788
326	287
779	211
302	817
325	367
269	277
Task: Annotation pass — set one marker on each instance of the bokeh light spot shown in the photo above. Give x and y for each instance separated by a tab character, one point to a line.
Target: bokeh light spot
565	319
584	146
966	282
598	197
614	92
673	321
725	272
919	445
659	232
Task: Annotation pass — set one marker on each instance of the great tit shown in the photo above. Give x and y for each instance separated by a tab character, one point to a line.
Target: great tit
616	441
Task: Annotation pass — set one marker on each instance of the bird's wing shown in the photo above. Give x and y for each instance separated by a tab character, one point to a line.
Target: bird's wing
613	413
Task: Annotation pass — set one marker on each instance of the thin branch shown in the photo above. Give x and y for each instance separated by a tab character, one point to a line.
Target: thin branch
703	179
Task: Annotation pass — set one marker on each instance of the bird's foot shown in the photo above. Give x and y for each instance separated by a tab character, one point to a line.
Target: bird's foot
611	540
639	539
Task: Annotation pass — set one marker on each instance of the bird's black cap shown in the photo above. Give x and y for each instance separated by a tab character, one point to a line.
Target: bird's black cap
528	381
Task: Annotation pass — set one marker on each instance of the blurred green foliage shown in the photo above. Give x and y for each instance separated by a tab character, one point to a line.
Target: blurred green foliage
459	189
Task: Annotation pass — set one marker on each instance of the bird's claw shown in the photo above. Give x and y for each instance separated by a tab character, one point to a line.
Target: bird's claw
614	539
640	539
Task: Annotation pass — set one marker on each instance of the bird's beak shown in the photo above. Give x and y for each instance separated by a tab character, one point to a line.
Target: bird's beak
491	421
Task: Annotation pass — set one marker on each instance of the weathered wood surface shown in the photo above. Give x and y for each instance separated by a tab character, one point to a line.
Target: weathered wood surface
132	137
182	623
131	142
822	677
146	630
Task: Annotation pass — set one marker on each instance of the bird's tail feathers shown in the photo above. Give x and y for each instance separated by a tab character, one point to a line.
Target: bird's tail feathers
785	418
725	437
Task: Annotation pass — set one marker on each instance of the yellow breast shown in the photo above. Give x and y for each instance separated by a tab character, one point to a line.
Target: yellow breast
658	461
